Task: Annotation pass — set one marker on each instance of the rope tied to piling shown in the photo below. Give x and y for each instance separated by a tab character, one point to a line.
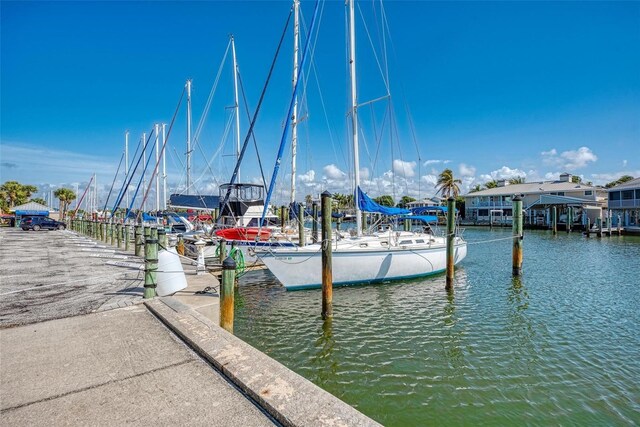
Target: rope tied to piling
496	240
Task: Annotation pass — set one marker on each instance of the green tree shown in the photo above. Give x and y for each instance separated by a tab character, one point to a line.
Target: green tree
447	184
308	200
478	187
66	196
384	200
621	180
405	200
576	179
516	180
491	184
13	193
39	200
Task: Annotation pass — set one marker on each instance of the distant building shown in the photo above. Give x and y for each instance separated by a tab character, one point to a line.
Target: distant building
493	205
433	201
624	203
30	209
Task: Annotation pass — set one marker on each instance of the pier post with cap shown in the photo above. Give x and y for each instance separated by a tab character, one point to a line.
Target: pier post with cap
450	242
517	235
327	270
227	297
150	262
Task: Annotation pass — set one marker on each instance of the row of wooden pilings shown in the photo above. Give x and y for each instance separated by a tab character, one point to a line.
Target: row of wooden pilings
146	241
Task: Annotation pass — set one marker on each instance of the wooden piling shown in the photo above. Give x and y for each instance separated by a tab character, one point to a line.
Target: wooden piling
588	230
146	234
407	224
517	235
554	220
119	235
227	294
112	236
301	241
222	250
150	262
569	218
327	270
137	240
126	237
163	242
314	226
599	222
451	209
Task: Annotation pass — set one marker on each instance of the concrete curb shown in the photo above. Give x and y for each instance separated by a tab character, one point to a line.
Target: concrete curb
291	399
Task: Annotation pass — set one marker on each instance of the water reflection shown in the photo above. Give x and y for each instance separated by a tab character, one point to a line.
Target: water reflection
520	326
324	361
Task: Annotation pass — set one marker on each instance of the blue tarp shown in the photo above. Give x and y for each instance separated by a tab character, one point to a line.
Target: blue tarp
423	218
197	201
147	217
32	213
368	205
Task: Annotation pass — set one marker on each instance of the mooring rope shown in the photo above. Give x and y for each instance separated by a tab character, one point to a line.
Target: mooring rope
493	240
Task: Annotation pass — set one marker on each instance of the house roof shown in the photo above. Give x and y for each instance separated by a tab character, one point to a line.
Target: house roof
548	200
531	188
634	183
31	206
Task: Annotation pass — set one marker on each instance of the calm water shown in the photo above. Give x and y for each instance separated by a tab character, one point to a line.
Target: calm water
561	346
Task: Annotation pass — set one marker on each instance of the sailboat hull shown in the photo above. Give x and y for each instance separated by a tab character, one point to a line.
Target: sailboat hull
301	268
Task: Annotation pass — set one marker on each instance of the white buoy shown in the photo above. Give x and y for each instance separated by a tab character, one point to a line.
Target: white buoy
170	275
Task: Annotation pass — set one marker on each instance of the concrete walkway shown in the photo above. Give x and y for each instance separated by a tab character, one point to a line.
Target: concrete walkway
125	365
113	368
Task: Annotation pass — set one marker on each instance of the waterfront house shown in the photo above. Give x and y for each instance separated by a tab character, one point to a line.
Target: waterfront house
429	202
624	205
493	206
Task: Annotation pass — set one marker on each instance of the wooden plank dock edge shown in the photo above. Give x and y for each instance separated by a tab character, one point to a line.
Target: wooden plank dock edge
291	399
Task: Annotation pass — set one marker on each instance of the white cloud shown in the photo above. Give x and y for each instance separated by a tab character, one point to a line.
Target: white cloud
308	177
364	173
466	171
333	172
433	162
624	163
504	172
405	169
569	160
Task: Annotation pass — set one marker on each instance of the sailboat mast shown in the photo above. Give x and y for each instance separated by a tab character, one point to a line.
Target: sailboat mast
235	98
294	116
126	161
164	167
188	137
354	115
144	167
157	128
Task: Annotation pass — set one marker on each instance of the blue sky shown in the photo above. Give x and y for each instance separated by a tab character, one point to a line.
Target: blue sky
494	90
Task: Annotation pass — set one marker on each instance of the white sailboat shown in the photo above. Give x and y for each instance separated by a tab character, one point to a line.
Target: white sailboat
382	256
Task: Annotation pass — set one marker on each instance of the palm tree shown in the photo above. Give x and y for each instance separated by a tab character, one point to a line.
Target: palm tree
478	187
13	193
39	200
448	185
491	184
516	180
65	196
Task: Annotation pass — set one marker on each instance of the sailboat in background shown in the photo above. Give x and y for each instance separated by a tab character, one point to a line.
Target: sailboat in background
382	256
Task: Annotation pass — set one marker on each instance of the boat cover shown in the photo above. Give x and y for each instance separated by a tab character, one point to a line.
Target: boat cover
368	205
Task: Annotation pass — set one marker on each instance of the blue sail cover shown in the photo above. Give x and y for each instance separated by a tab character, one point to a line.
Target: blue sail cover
368	205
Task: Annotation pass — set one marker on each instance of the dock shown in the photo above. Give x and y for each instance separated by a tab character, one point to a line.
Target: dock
604	232
79	345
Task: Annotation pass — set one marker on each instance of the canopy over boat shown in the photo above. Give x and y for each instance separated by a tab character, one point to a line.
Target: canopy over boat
367	205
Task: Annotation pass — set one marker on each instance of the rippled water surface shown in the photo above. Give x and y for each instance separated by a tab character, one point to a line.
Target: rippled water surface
560	346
